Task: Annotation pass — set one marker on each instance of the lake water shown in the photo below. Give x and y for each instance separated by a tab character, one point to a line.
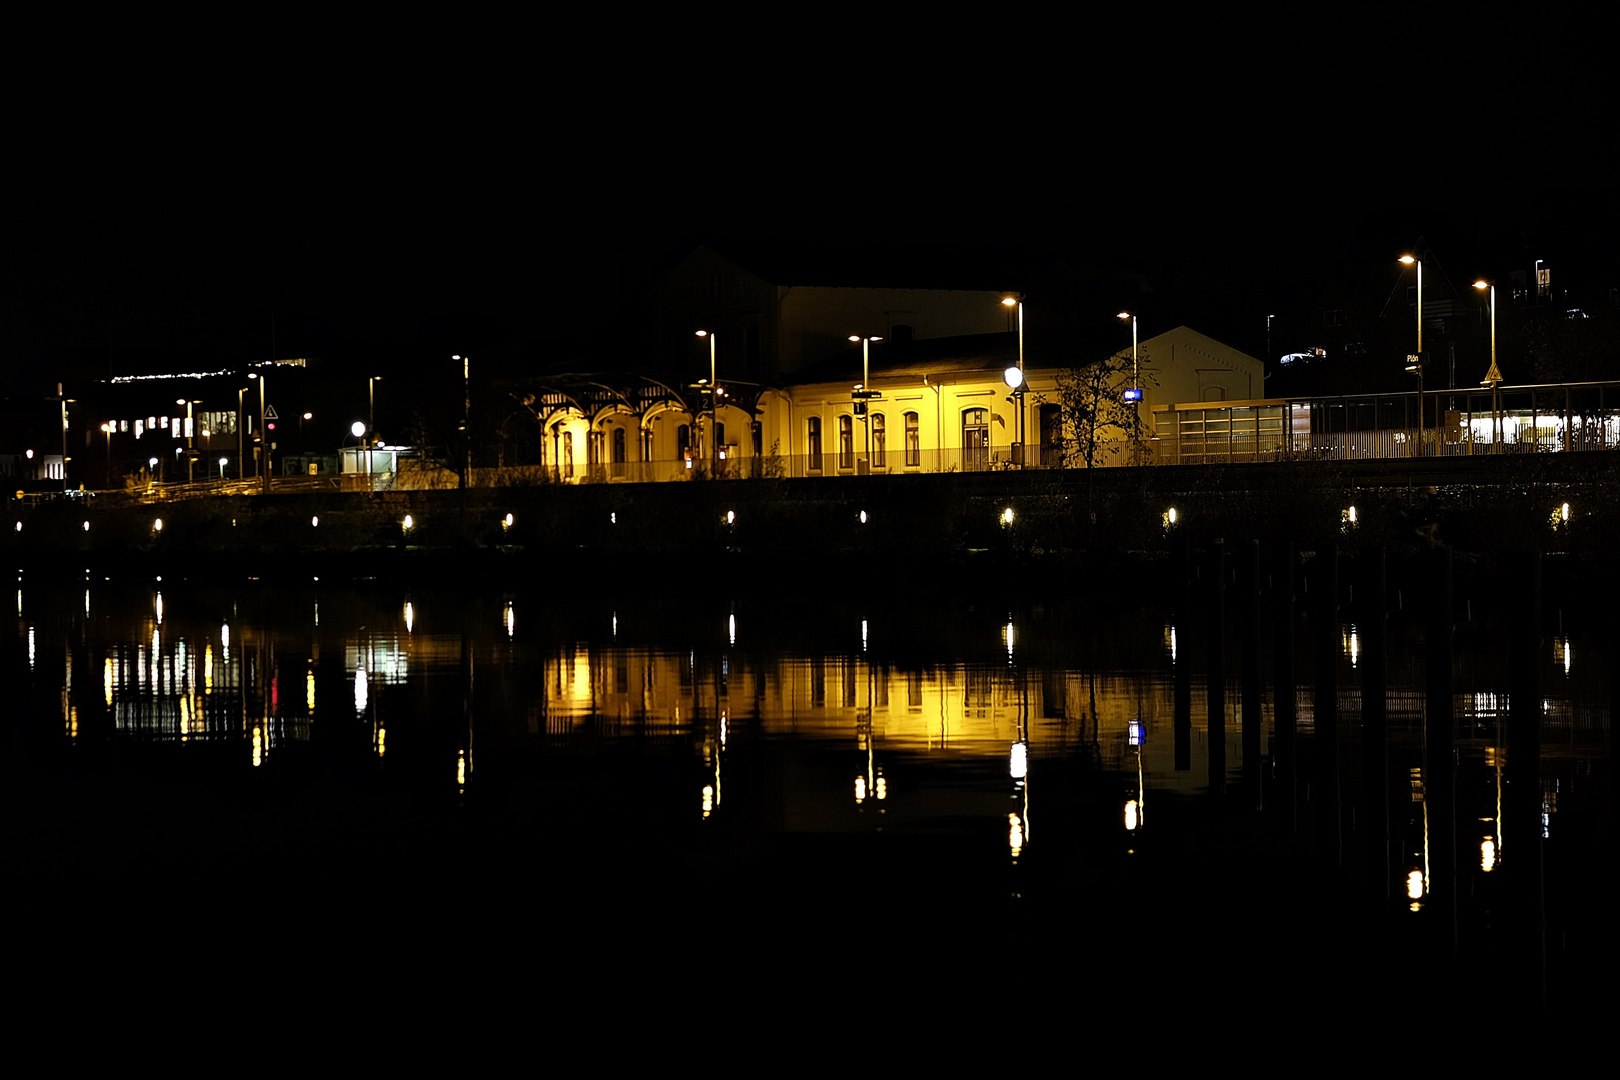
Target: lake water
692	786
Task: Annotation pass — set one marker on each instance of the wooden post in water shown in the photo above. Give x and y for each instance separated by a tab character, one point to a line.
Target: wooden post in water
1325	754
1215	685
1183	670
1440	759
1284	703
1250	677
1373	805
1519	844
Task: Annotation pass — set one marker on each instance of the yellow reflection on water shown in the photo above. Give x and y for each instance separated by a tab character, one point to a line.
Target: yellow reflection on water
1015	834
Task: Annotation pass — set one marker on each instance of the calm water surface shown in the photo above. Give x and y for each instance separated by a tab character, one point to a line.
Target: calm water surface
694	785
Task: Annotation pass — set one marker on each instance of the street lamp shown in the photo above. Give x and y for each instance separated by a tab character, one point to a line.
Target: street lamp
466	417
241	447
864	393
714	391
221	470
371	429
1493	377
264	436
1017	301
1414	362
190	442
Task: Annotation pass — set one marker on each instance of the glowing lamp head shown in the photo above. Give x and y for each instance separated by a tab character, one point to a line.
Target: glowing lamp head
1013	377
358	428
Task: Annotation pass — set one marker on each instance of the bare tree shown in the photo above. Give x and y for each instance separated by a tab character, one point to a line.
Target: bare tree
1095	413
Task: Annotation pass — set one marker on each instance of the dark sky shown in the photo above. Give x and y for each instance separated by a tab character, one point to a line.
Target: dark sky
424	190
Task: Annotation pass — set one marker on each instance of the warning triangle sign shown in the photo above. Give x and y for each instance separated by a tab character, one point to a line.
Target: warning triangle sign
270	410
1494	375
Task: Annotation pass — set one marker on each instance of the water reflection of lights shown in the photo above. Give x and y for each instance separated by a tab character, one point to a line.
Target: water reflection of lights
1015	834
1563	652
510	620
30	646
1170	641
731	628
1352	644
863	635
1414	888
410	617
158	607
1487	854
461	771
1018	763
1007	638
360	691
258	746
1130	814
708	799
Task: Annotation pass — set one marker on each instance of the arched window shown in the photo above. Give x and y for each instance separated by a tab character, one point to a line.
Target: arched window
975	439
846	442
879	441
913	441
813	443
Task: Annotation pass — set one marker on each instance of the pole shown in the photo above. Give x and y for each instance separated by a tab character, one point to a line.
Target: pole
264	440
1023	451
714	402
371	431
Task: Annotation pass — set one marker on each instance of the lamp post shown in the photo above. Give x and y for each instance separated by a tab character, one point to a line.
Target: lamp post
190	441
1414	363
1493	377
866	392
241	448
1017	301
713	403
466	418
371	430
264	436
65	399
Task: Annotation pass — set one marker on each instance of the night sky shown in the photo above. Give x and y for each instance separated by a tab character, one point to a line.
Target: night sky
370	200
